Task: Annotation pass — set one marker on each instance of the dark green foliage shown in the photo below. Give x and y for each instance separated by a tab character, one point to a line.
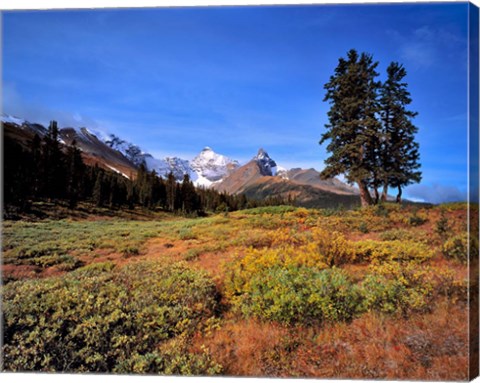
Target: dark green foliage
98	319
363	227
17	175
442	228
188	195
48	170
400	153
416	220
353	127
458	247
370	131
75	174
53	164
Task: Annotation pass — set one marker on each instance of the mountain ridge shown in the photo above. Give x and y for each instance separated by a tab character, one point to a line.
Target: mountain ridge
261	177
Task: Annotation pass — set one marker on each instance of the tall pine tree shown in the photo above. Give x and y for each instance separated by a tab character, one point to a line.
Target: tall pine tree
400	153
353	129
53	164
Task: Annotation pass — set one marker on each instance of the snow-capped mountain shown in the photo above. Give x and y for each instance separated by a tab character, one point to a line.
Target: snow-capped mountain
12	119
259	178
205	169
177	166
212	167
32	128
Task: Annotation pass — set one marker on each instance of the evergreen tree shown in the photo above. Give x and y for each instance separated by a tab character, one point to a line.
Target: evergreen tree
159	193
16	174
144	185
353	129
75	174
37	165
99	190
53	164
400	152
188	196
177	205
131	194
171	192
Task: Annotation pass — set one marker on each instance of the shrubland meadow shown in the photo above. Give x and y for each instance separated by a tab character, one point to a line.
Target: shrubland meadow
378	292
145	274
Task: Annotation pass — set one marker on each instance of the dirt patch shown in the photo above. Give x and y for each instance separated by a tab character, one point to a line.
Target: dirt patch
15	272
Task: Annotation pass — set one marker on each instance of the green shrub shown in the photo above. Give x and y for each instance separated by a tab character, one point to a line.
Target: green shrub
381	294
298	294
416	220
457	248
192	254
129	250
415	235
186	234
392	288
26	242
103	319
270	210
387	251
363	227
381	210
442	228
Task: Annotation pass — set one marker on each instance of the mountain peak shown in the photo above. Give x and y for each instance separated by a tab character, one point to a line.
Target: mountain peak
211	166
12	119
266	164
262	153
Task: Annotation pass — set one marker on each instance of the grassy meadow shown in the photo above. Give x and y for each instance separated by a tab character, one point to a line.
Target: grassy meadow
278	291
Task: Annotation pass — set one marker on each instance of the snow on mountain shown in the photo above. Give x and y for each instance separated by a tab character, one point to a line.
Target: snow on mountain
211	167
117	171
205	169
282	172
12	119
163	167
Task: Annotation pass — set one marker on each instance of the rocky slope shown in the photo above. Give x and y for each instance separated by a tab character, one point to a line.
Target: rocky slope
261	178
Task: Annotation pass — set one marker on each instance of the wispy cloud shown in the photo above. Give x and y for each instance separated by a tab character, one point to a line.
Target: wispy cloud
426	46
13	103
435	193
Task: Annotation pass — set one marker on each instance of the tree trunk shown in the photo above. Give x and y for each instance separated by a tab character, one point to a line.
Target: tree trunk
399	195
365	197
377	196
385	193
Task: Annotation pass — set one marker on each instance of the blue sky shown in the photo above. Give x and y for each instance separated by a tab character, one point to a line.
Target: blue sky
174	80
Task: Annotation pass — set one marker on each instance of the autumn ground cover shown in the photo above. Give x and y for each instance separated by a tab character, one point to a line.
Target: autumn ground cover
275	291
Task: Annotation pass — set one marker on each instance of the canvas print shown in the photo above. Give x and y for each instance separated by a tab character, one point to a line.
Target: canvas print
256	191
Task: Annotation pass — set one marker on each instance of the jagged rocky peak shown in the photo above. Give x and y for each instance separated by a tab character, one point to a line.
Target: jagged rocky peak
268	167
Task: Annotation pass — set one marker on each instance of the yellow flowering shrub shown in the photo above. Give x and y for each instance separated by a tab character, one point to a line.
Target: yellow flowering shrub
399	251
392	287
457	247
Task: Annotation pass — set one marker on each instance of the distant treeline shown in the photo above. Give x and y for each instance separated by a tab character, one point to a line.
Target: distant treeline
47	170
